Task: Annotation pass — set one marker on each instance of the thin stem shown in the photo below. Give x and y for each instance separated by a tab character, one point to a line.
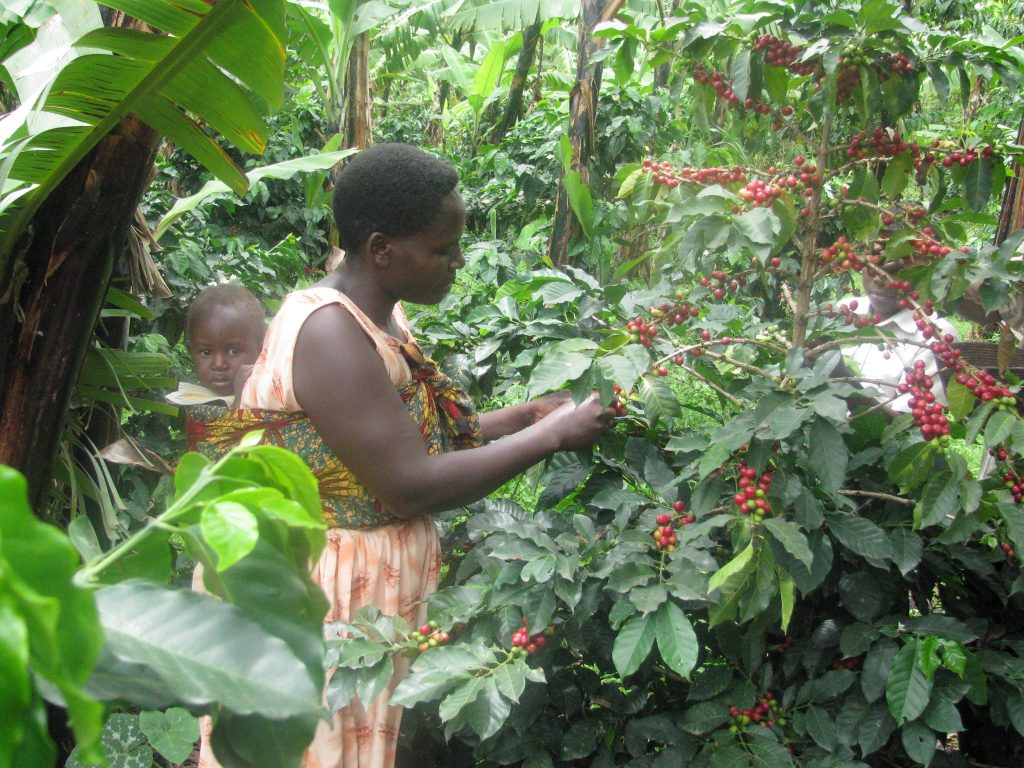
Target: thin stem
713	386
876	495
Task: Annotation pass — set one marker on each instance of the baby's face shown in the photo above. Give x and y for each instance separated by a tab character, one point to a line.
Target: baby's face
223	339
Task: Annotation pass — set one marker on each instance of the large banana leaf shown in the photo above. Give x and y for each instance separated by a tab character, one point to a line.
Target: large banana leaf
220	62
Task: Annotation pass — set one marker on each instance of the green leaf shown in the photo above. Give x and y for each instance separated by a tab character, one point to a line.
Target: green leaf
633	644
462	696
734	566
556	370
978	183
215	189
860	535
741	73
787	597
897	175
877	665
658	399
820	727
827	455
999	427
704	717
489	710
939	502
231	530
124	745
960	400
938	625
37	567
920	741
912	465
100	89
223	657
909	689
580	201
172	733
676	638
791	538
510	679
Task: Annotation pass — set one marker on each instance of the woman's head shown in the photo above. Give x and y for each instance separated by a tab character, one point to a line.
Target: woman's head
884	299
394	189
224	329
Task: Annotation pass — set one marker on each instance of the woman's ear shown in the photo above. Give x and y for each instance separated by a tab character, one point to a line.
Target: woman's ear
378	246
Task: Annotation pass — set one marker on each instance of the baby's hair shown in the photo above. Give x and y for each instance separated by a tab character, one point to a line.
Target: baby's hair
225	295
392	188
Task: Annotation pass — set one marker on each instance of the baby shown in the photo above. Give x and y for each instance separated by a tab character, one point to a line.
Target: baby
224	332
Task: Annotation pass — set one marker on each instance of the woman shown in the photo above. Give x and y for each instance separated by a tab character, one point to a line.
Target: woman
388	427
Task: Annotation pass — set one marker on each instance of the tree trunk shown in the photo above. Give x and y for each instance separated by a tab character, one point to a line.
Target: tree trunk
661	73
1011	216
358	125
582	117
48	311
434	132
514	105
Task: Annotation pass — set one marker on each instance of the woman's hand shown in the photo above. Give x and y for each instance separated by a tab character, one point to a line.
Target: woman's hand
577	427
545	404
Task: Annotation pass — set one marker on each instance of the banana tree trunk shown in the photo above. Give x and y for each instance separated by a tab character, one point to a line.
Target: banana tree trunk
50	307
514	105
358	125
1011	217
582	118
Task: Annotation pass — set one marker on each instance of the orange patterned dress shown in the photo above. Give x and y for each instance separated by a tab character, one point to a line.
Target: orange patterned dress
371	557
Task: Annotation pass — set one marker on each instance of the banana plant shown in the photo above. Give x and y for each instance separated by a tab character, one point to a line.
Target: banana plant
220	63
74	157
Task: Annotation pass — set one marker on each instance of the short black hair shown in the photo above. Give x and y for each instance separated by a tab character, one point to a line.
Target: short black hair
226	295
396	189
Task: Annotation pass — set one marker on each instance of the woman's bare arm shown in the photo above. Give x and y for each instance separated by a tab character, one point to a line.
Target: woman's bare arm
340	382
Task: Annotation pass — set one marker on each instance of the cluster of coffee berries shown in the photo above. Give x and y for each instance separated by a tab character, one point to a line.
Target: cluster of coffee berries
850	316
1015	483
783	646
984	386
847	81
752	497
841	256
721	85
522	639
661	173
779	53
708	176
761	193
719	283
641	332
928	413
879	143
767	713
675	314
429	636
1007	547
665	534
928	246
618	404
900	64
965	157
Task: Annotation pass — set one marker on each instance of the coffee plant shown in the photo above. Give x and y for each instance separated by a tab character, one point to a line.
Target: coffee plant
809	576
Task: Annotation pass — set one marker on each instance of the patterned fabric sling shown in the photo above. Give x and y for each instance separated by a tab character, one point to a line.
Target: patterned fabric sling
445	414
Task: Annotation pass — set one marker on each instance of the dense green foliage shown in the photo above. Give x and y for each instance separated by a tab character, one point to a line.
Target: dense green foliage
752	160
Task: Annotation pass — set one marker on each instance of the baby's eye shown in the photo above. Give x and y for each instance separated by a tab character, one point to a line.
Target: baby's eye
234	351
204	353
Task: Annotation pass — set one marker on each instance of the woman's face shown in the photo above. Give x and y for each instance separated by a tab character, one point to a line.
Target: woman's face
423	265
224	338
